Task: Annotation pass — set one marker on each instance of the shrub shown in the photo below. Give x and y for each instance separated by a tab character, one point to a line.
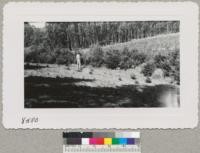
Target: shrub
42	57
174	59
159	60
112	59
64	56
27	51
86	58
167	69
148	69
96	57
32	54
148	80
170	64
38	54
131	58
163	63
177	77
50	58
125	64
125	59
137	57
30	57
60	60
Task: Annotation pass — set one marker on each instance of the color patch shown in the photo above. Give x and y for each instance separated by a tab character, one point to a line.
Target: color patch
85	141
64	141
103	135
87	135
72	135
107	141
127	135
115	141
130	141
123	141
92	141
100	141
74	141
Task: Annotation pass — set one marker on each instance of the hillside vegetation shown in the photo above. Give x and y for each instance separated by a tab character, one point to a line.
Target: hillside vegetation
160	44
160	51
114	45
153	45
74	35
58	42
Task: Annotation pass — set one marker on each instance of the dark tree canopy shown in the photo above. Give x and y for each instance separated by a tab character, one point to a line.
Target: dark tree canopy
73	35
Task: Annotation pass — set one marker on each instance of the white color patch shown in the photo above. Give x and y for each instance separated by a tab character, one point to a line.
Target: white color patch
127	134
85	141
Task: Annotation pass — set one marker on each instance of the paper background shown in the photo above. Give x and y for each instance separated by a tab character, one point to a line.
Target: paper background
50	141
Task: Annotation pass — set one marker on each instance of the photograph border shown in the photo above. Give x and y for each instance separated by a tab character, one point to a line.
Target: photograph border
13	64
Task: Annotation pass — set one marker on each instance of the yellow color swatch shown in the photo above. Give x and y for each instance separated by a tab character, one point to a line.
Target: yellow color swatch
107	141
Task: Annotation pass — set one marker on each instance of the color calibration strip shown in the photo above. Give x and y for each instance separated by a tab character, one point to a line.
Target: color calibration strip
101	141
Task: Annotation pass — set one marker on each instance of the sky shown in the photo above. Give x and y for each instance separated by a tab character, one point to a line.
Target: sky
38	24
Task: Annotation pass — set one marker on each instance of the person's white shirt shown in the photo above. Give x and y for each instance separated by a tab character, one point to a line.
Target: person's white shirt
78	57
78	60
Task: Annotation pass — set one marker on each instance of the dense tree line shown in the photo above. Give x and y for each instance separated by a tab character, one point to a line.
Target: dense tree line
73	35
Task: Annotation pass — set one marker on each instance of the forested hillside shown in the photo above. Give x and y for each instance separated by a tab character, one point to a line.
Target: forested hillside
73	35
113	45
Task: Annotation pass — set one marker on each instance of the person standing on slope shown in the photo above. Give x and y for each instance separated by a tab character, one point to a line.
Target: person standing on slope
78	61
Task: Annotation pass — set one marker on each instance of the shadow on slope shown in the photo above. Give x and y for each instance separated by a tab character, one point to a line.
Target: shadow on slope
43	92
28	66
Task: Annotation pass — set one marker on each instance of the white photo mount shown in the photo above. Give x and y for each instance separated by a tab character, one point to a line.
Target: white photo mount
15	116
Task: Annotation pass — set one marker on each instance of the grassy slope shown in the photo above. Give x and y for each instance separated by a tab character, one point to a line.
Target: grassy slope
153	45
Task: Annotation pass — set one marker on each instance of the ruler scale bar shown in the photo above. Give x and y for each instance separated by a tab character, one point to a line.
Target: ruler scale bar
91	148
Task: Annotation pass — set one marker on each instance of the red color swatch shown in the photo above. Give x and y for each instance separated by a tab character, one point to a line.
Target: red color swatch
96	141
100	141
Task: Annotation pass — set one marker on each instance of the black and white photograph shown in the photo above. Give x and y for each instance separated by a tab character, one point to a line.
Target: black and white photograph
104	64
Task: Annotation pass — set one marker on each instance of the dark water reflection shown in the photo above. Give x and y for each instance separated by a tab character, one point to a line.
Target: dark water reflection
43	92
